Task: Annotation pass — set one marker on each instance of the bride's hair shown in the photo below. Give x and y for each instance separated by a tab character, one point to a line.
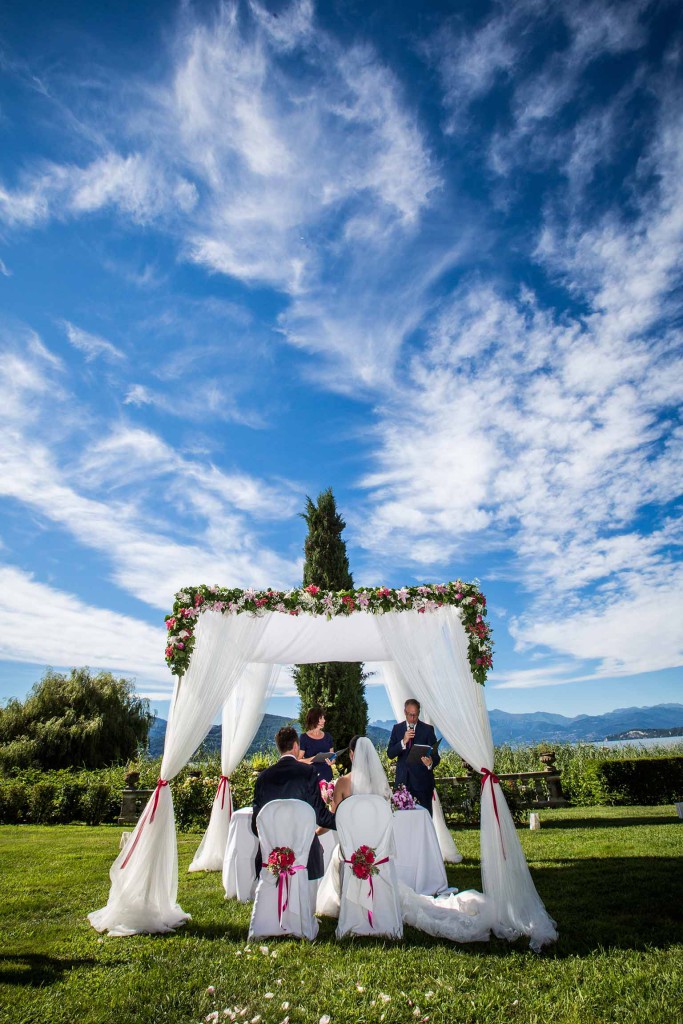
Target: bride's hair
352	743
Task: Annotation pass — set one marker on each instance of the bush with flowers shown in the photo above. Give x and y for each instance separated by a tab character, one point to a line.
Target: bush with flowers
191	602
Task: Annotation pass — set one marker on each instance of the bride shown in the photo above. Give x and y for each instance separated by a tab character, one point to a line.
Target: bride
465	917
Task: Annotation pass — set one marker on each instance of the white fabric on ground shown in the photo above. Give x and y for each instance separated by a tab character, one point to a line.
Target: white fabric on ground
418	857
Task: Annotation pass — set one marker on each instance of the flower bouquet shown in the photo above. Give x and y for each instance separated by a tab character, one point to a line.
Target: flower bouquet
402	800
363	863
280	860
326	790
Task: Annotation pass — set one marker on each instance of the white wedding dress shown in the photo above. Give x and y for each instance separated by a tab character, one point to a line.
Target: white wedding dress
461	917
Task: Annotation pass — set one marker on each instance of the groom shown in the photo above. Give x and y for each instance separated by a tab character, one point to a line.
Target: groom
417	778
291	779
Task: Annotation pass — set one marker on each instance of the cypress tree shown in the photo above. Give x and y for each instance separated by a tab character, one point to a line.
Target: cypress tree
337	686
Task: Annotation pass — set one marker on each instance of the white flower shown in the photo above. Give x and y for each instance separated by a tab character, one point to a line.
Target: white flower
264	950
384	997
210	990
269	995
360	988
256	1019
325	1019
285	1006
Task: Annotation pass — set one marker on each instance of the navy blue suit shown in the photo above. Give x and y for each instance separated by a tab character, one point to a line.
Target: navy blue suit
417	778
289	779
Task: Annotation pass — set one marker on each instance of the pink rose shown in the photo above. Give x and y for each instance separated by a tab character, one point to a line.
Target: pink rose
312	589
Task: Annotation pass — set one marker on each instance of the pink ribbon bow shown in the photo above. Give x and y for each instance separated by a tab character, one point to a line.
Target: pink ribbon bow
151	805
283	887
371	890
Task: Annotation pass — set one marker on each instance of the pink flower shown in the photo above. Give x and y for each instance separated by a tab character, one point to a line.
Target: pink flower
180	645
170	623
198	599
312	589
169	651
383	592
363	600
402	594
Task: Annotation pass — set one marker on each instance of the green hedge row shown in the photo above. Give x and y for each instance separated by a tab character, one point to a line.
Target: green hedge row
94	797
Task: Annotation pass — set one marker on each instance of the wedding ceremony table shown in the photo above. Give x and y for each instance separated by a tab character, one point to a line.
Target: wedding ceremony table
418	857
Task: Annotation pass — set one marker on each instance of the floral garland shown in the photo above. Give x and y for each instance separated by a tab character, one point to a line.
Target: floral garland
191	602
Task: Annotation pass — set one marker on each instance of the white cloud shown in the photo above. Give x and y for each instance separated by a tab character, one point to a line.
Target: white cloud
91	345
4	269
42	624
156	488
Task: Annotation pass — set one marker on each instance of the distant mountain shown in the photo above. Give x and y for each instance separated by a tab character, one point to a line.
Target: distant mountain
263	740
534	727
545	727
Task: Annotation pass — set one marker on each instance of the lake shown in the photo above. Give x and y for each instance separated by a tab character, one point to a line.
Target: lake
649	741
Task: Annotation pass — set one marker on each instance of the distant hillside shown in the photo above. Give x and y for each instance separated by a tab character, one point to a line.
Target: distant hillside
534	727
546	727
263	740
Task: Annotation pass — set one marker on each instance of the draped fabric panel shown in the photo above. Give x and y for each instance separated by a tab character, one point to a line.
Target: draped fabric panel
144	877
242	715
431	653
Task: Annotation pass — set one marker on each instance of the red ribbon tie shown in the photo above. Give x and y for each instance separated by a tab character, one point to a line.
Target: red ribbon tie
488	776
152	805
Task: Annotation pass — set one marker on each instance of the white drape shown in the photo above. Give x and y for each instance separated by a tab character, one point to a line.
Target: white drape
144	877
242	715
399	692
431	653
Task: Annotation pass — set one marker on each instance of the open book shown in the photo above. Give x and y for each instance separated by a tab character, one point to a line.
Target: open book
322	757
420	750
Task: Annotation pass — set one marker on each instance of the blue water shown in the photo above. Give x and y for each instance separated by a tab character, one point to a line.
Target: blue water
655	741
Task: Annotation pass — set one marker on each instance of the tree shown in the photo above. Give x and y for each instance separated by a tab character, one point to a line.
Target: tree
80	720
337	686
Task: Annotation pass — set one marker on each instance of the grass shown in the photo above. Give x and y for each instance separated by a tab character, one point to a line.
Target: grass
611	877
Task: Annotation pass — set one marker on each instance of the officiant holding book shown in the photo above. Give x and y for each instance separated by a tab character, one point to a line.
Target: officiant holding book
414	768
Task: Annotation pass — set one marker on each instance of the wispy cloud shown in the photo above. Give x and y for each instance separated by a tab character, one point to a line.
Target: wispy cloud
91	345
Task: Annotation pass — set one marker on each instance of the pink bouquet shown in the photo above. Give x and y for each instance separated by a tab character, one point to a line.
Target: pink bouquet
402	800
363	862
326	790
280	860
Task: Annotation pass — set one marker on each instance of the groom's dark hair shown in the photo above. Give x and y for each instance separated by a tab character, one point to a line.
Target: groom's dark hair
285	738
411	702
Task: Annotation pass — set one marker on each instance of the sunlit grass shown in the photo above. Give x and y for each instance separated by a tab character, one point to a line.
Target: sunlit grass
609	876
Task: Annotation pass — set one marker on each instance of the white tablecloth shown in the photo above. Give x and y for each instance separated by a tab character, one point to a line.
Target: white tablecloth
239	877
418	857
239	880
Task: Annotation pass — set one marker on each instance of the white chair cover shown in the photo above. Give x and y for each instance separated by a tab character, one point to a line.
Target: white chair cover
418	858
366	820
285	823
239	872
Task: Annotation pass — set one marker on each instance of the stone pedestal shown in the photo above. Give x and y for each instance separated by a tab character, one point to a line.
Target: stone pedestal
133	803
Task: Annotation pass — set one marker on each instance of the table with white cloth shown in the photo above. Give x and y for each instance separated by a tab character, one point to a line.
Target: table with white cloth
239	877
419	863
239	873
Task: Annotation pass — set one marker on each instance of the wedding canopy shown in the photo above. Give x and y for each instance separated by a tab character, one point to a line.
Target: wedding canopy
434	644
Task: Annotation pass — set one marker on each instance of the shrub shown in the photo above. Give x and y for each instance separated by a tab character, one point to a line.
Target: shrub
14	802
643	781
43	803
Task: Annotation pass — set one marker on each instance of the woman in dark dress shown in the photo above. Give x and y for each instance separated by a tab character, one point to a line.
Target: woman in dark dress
316	741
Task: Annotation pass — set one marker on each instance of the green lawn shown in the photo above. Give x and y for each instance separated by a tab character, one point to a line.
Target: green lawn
611	877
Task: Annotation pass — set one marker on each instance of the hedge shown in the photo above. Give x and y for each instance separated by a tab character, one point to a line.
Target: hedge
642	781
94	797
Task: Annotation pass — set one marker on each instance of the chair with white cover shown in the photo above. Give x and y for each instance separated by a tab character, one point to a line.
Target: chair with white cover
283	906
368	909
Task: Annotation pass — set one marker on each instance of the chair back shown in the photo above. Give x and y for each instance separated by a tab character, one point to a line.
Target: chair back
283	906
368	906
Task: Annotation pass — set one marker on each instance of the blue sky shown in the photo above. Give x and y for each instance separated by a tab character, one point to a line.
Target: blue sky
428	255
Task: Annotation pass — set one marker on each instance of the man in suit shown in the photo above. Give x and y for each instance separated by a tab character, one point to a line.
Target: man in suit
291	779
417	778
